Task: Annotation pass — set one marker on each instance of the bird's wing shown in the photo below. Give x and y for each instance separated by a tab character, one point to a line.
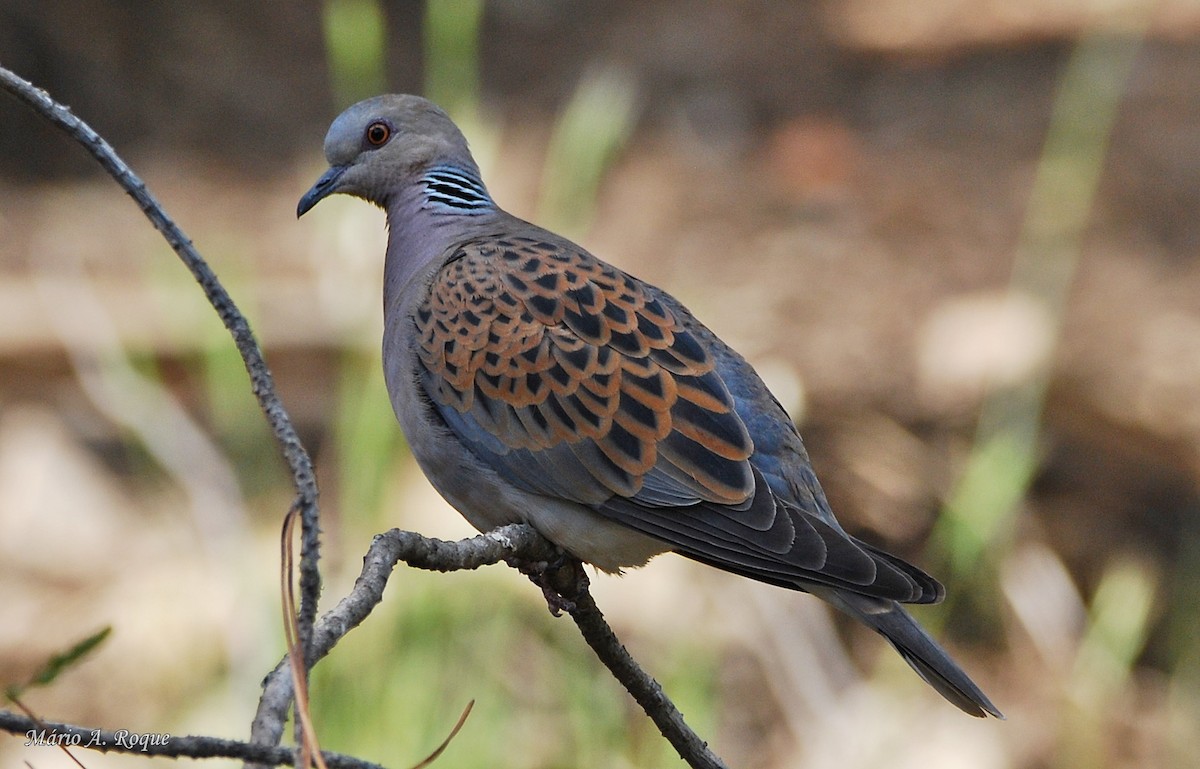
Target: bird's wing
574	380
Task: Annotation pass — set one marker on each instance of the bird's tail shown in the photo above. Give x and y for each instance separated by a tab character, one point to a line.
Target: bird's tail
918	649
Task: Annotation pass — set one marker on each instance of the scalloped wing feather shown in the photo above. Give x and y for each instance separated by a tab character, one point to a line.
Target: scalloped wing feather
575	380
543	356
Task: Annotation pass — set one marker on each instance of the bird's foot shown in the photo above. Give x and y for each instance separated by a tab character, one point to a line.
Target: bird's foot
560	579
555	602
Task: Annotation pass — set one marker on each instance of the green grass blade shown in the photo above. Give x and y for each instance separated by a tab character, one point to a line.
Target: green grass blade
62	661
982	509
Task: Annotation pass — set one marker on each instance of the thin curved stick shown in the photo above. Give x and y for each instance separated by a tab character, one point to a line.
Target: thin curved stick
261	381
148	744
518	545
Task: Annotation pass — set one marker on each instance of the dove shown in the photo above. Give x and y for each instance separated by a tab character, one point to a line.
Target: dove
537	384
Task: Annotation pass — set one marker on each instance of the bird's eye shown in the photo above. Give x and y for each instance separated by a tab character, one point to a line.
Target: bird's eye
378	133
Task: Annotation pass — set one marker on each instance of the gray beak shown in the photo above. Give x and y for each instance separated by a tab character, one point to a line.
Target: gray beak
325	186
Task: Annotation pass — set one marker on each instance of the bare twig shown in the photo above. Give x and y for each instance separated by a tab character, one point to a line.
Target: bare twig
517	544
306	735
261	381
41	727
385	552
48	733
458	725
566	585
647	691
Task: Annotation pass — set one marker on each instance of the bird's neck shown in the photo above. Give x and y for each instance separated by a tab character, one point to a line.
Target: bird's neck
454	191
444	206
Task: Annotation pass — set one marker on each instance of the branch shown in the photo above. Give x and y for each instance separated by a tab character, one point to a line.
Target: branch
262	384
516	544
261	381
647	691
50	734
385	552
523	547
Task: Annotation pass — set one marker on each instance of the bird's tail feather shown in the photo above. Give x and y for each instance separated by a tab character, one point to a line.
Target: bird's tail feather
918	649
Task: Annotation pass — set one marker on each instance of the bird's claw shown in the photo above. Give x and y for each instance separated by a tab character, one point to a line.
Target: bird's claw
560	577
556	602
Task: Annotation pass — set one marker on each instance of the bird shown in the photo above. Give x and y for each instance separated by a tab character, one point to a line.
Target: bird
537	384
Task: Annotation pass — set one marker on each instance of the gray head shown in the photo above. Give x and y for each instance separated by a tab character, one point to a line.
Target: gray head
384	142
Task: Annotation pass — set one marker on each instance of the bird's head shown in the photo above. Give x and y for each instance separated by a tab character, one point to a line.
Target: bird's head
380	144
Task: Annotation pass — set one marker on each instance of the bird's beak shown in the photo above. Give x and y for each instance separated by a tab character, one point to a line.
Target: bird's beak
325	186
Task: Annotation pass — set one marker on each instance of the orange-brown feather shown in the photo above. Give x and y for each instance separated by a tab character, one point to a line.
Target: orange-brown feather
565	349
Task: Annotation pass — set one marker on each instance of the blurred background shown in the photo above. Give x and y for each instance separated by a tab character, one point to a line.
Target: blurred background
958	238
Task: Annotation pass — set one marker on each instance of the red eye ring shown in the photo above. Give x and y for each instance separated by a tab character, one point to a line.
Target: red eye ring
378	133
